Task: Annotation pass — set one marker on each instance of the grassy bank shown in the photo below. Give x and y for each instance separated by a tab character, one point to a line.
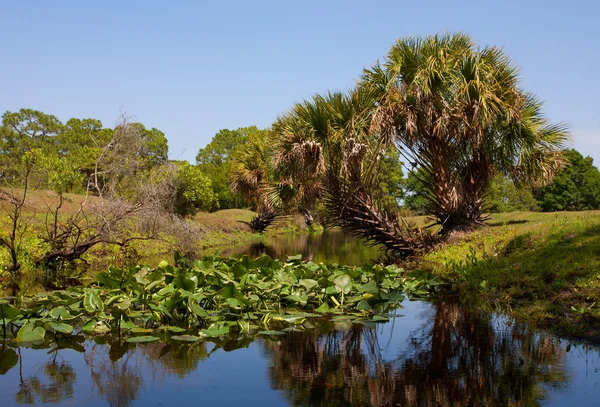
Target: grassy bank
543	268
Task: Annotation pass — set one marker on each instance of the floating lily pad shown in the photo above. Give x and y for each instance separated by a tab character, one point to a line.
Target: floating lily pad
142	339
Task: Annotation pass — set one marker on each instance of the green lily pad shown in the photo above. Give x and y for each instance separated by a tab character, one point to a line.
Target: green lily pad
186	338
143	339
30	333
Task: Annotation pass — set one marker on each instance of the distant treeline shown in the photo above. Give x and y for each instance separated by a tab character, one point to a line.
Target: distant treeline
230	169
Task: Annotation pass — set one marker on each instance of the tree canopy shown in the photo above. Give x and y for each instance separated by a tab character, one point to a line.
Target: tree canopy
575	188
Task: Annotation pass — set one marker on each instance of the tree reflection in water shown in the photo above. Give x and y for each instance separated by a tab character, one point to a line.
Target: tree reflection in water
458	358
327	247
53	382
118	379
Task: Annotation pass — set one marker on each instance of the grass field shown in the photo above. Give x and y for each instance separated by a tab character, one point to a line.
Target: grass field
542	267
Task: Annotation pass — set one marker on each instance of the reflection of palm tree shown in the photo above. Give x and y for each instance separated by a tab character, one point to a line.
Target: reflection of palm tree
61	376
457	359
180	359
119	381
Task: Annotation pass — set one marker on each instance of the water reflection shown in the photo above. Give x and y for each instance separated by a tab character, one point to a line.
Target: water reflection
436	355
326	247
458	358
52	383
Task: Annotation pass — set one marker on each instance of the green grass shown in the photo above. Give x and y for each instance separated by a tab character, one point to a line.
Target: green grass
541	267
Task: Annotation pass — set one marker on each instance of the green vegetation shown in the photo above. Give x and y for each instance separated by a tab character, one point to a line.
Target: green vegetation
210	298
575	188
543	268
74	194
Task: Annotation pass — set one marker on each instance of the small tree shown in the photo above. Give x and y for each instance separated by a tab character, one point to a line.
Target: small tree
193	191
575	188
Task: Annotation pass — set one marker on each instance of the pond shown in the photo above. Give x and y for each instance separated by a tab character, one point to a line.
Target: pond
327	247
427	354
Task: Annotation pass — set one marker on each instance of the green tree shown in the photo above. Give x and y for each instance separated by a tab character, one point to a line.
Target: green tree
505	196
456	111
415	194
251	170
23	131
391	177
193	190
82	142
215	162
575	188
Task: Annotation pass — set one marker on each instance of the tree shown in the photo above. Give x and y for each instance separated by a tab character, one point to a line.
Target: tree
391	177
505	196
458	116
193	190
215	161
21	132
324	150
251	170
575	188
81	142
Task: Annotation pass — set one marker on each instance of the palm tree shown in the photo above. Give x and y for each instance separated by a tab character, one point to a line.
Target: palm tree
251	169
458	116
324	150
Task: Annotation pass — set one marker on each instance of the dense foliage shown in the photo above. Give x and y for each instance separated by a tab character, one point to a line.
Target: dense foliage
575	188
458	116
212	297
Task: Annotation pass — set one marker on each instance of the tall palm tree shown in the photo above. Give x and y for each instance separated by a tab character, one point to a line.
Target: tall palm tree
324	150
458	116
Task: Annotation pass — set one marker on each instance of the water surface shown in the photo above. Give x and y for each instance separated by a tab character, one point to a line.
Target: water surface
427	355
327	247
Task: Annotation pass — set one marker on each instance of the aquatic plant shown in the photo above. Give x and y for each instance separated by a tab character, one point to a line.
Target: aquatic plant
211	298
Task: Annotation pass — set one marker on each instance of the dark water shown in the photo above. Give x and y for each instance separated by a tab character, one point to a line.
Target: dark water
326	247
428	355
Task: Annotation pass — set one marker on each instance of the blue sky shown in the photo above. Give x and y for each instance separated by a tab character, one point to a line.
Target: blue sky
191	68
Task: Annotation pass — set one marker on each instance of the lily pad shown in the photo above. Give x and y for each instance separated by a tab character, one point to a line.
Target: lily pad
186	338
30	333
143	339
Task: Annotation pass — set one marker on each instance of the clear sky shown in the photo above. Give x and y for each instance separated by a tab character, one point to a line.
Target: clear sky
191	68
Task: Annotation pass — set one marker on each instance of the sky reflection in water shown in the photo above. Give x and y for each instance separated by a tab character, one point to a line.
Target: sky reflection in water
429	355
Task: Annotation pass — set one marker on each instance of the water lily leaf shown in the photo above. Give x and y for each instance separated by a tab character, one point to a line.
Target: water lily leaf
380	318
216	330
370	287
271	333
290	319
363	305
298	297
92	301
61	327
101	328
89	326
175	329
60	312
228	291
143	339
107	281
324	308
198	310
124	305
185	283
234	303
294	258
308	283
8	359
186	338
138	330
7	311
343	283
30	333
